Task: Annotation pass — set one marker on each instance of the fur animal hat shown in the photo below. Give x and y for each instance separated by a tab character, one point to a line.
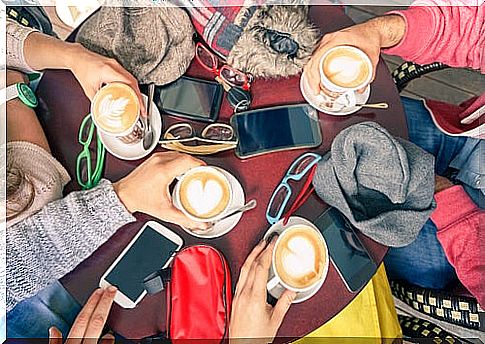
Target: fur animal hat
266	40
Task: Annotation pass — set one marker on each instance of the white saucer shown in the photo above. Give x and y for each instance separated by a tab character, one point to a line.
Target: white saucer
224	226
316	101
277	291
135	151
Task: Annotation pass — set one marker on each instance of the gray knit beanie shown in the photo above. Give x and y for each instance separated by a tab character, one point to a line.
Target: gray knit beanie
383	185
153	43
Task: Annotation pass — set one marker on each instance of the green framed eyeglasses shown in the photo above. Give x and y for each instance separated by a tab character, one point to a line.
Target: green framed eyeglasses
88	176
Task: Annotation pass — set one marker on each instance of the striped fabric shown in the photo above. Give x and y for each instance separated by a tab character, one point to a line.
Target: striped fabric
219	24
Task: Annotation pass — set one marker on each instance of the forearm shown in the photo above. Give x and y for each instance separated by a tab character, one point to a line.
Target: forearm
51	243
449	34
45	52
390	29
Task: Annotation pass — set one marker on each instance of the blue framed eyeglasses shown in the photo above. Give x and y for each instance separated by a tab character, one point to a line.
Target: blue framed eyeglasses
279	200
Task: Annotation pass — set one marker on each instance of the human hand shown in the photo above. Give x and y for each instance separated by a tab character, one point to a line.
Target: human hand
441	183
370	37
14	77
90	322
93	70
145	189
252	317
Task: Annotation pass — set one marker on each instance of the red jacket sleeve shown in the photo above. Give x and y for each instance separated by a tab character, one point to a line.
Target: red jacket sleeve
454	35
458	220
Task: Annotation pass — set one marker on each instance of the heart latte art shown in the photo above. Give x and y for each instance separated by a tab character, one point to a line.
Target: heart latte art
204	194
115	108
300	257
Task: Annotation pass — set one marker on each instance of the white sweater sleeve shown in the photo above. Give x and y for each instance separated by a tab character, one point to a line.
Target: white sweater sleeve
16	35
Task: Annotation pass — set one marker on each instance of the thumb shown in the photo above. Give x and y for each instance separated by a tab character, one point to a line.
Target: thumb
281	307
108	339
55	336
90	93
313	77
176	216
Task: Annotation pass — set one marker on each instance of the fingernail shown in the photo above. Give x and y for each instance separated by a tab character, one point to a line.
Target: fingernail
112	289
108	336
52	331
272	237
98	291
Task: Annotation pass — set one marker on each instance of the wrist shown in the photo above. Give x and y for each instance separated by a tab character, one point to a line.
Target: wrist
124	196
441	184
73	55
14	77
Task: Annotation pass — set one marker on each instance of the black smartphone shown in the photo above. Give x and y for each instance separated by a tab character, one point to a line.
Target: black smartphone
195	99
276	129
350	257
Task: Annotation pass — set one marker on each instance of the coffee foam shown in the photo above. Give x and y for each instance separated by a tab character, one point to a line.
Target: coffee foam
300	257
204	194
115	108
345	68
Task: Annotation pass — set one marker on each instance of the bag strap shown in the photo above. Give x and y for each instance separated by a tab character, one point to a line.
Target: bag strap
155	282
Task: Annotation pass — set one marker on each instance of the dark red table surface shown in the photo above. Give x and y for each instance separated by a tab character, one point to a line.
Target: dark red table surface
67	105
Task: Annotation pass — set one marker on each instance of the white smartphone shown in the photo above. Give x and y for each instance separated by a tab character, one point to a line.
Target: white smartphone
152	249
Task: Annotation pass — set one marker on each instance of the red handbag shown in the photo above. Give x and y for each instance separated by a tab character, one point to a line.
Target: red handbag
198	295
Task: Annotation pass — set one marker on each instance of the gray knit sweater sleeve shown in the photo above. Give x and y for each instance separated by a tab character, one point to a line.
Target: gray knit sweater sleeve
52	242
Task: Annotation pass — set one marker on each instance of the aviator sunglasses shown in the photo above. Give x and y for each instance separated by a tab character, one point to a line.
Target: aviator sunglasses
216	137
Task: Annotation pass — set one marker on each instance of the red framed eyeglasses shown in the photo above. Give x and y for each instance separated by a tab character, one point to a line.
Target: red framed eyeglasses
230	75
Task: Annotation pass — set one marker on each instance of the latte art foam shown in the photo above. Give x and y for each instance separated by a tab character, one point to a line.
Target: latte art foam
300	257
204	194
346	68
115	108
111	110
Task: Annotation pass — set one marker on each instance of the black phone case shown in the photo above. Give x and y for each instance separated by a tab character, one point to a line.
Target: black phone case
215	107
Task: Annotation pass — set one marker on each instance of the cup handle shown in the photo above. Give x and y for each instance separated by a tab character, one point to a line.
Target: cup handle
272	283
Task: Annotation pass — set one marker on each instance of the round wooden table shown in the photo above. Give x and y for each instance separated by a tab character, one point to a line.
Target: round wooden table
67	105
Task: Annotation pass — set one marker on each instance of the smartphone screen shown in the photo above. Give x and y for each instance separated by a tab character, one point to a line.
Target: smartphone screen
278	128
350	257
191	98
149	253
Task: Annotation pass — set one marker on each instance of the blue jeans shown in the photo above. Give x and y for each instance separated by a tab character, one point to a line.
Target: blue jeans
32	318
424	262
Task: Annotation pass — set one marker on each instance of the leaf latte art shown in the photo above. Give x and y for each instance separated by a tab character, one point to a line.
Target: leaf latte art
115	108
112	110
